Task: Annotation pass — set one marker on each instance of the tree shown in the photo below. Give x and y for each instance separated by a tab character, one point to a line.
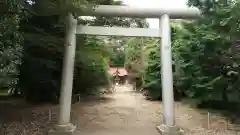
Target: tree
40	73
11	44
203	51
204	65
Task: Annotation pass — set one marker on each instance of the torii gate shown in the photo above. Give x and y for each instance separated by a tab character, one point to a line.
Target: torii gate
168	127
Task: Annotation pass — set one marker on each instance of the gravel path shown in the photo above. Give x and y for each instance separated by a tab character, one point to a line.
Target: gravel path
127	112
122	113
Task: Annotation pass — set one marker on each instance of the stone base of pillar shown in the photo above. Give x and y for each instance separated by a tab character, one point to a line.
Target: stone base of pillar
69	129
169	130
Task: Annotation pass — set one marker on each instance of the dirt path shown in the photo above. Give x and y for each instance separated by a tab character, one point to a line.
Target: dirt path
123	113
126	112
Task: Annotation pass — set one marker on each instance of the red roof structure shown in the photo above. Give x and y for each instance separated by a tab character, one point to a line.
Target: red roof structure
121	71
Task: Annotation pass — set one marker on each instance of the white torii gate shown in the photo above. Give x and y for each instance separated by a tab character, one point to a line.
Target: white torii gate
64	127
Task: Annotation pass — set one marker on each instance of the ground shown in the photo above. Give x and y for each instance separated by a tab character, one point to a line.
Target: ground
124	112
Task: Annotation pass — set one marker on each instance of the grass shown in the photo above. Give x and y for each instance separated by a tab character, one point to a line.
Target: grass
4	92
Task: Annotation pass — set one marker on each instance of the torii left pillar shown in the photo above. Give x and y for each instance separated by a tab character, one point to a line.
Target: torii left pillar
64	127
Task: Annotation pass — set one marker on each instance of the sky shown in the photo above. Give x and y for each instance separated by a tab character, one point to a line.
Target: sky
154	23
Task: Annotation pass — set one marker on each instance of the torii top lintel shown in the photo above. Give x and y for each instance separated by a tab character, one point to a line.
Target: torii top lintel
135	12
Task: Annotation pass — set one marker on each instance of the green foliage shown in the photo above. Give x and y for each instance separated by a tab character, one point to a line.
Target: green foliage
205	67
92	65
10	45
203	52
151	71
40	73
42	62
142	60
117	58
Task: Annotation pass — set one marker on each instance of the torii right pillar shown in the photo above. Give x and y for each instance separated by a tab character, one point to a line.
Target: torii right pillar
168	127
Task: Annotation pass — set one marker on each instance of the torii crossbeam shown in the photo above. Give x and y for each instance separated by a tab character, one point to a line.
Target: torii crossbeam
64	127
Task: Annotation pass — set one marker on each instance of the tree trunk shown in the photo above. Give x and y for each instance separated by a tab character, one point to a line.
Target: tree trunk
224	95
